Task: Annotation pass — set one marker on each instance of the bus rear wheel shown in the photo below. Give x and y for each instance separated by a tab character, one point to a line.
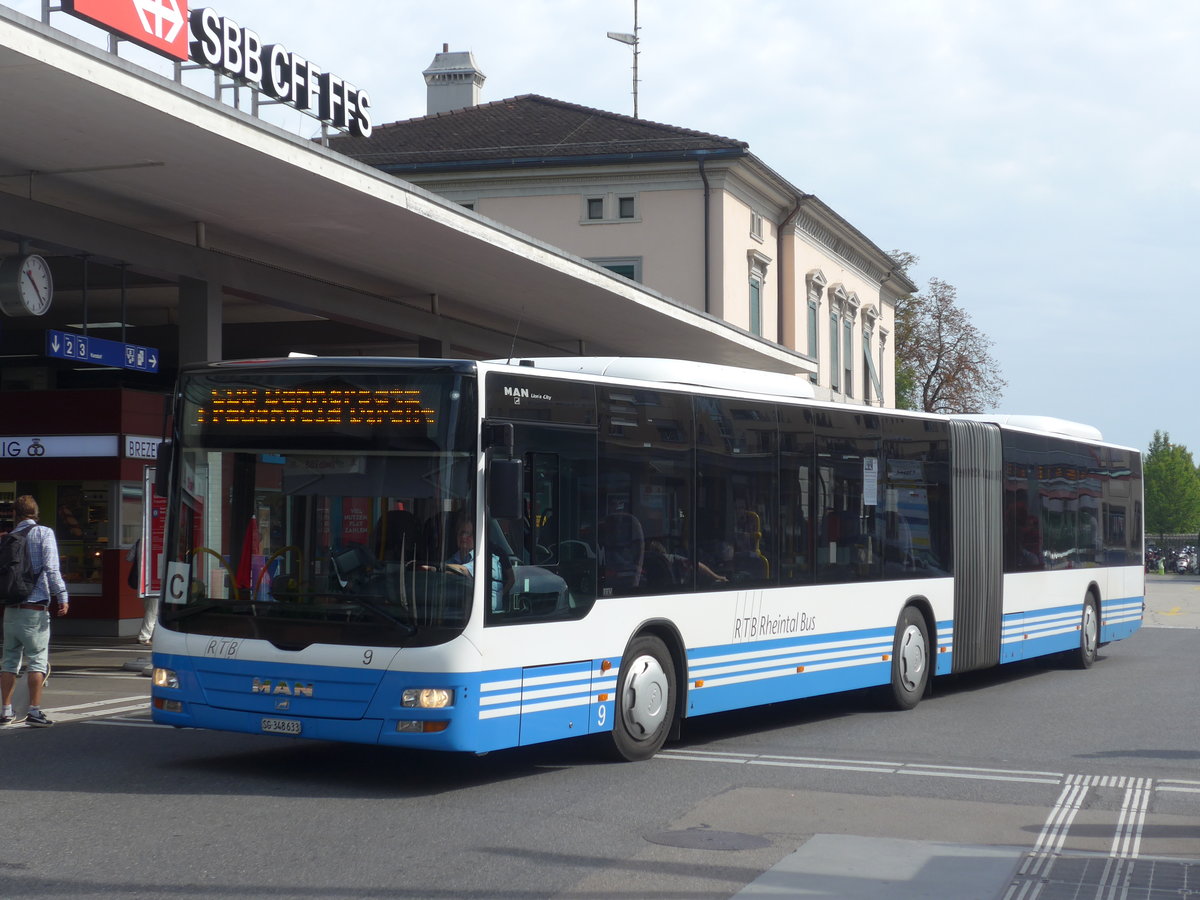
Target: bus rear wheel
645	700
1089	635
910	660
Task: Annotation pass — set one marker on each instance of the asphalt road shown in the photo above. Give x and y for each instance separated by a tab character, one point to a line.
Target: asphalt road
1030	781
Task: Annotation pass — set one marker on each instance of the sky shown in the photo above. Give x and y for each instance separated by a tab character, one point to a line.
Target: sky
1042	156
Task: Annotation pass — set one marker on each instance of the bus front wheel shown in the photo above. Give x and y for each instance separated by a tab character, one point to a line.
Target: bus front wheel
910	659
645	700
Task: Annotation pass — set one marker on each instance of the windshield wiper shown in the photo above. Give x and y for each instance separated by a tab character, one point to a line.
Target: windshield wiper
194	610
380	611
248	606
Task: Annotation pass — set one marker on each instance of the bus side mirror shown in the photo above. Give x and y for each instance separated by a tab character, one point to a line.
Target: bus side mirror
505	488
498	436
162	467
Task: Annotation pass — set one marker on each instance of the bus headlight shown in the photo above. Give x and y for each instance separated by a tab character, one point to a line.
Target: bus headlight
166	678
427	698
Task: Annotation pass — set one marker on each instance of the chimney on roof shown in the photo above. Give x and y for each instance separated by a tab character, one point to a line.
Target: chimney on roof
453	81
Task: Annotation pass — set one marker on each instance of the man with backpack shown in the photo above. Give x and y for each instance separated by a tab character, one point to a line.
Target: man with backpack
27	621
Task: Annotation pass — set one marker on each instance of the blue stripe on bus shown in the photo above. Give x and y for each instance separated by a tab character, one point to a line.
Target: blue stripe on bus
514	706
732	676
1033	633
1121	618
347	704
548	702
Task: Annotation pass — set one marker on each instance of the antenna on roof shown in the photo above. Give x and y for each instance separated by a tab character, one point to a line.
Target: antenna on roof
632	41
513	349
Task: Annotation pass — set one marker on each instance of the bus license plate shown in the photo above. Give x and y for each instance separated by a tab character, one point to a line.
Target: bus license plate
281	726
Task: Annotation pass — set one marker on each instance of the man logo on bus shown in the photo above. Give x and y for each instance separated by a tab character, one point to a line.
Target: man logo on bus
266	686
517	393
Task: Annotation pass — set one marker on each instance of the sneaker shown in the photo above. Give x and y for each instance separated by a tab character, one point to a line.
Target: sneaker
38	719
7	720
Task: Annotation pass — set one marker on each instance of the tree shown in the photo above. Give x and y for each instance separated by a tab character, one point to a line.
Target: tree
943	362
1172	487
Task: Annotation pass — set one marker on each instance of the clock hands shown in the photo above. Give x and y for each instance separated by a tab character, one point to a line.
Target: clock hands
36	288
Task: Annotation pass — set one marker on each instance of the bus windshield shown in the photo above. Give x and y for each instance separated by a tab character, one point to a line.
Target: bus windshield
314	507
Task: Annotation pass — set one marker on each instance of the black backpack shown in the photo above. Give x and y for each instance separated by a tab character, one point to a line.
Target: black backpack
17	577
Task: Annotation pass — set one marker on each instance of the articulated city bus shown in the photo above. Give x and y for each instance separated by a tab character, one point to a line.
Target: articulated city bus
468	556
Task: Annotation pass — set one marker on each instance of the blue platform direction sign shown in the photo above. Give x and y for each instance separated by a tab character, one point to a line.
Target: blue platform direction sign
100	352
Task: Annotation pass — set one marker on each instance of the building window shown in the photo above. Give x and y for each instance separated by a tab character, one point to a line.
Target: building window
610	207
758	264
755	306
756	223
883	336
872	387
816	284
629	266
848	354
835	343
813	310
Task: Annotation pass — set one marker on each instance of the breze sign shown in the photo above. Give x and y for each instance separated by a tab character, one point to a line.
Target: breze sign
158	25
220	43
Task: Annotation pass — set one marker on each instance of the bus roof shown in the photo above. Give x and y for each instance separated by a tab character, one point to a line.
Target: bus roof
675	371
1048	424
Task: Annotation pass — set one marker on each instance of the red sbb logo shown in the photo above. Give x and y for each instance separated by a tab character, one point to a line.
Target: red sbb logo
158	25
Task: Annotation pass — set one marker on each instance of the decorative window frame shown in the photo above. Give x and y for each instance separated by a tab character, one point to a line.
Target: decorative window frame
756	225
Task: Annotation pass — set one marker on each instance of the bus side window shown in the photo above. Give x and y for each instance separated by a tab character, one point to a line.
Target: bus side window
736	493
915	500
848	545
796	484
551	546
646	482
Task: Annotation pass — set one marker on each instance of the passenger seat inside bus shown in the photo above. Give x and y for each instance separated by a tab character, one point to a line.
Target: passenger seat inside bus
622	550
397	534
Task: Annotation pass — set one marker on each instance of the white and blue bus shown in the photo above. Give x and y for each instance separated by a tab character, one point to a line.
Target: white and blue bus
468	556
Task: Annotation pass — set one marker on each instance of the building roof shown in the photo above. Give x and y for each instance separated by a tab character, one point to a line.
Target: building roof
528	130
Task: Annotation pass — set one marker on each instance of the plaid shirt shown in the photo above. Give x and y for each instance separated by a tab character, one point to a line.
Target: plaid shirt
43	554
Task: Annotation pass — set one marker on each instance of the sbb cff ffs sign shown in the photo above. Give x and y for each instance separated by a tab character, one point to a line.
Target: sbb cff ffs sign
221	44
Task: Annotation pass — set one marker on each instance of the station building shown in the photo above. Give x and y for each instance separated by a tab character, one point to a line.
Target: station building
176	226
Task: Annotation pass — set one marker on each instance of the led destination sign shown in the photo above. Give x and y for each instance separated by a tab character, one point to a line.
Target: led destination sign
332	408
